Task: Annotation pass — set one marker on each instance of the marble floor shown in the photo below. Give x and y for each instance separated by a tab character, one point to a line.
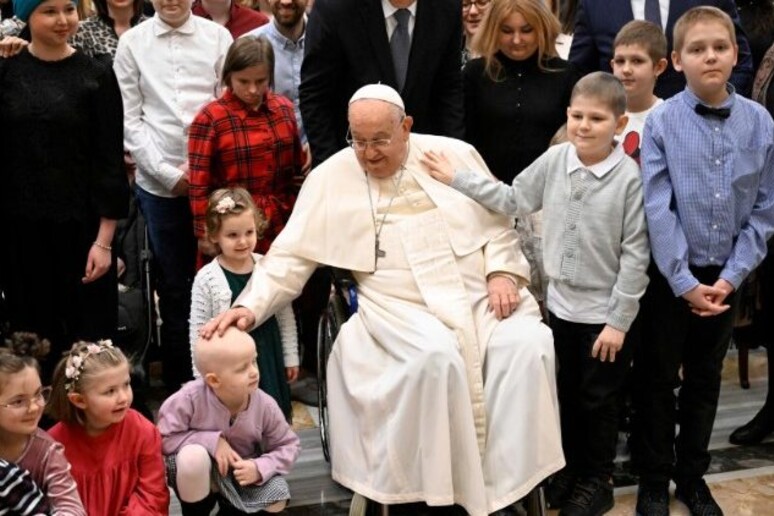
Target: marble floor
741	478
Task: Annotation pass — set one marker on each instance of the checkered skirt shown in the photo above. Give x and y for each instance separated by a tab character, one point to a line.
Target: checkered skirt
250	499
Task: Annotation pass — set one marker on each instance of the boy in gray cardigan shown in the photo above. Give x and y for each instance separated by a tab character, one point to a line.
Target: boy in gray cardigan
596	255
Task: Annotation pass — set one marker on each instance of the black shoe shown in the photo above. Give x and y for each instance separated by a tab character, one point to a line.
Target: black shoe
653	499
591	497
697	496
756	430
560	488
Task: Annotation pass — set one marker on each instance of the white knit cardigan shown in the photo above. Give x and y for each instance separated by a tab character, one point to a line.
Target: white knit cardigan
211	296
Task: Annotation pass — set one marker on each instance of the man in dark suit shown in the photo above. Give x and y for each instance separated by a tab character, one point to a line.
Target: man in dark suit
349	44
598	22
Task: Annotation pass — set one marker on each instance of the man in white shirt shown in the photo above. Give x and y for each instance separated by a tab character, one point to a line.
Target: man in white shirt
168	68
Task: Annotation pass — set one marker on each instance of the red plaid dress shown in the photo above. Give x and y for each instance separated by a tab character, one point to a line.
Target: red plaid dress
230	145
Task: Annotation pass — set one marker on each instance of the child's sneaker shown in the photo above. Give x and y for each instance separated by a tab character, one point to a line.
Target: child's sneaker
591	497
560	488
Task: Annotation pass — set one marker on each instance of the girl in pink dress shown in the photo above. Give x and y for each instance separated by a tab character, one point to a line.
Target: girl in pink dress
22	398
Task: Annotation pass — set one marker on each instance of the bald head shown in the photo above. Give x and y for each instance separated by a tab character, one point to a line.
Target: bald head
212	355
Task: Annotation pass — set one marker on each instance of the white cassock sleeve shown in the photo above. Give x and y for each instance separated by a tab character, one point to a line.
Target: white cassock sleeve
278	278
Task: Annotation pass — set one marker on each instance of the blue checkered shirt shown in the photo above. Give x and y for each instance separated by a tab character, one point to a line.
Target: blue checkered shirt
709	188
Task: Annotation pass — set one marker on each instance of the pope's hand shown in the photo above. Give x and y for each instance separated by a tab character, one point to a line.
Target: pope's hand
239	316
504	297
439	166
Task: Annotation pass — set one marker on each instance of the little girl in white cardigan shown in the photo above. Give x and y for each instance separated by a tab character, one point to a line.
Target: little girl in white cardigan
234	225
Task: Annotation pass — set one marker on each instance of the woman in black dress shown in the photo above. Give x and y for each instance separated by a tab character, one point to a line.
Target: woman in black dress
517	92
62	184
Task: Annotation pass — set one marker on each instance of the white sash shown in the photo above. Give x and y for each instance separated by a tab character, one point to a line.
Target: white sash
425	242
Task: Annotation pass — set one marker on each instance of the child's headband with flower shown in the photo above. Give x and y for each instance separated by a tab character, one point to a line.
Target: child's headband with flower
76	361
225	205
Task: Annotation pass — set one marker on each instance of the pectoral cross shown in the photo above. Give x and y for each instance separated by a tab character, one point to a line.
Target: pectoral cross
378	252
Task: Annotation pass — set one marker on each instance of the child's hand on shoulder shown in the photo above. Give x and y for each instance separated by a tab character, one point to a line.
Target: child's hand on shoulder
439	166
608	343
291	373
225	456
246	472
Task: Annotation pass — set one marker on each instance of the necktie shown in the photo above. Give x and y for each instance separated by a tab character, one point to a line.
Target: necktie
653	12
400	46
709	111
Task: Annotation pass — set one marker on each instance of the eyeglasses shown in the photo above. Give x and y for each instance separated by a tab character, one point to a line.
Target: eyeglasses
378	144
20	404
481	4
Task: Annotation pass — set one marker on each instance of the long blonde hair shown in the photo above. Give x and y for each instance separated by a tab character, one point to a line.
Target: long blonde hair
74	370
535	12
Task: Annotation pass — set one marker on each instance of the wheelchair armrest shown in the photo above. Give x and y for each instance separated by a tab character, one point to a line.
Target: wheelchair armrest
346	286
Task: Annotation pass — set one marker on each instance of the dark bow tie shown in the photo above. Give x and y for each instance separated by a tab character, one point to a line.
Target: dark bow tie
709	111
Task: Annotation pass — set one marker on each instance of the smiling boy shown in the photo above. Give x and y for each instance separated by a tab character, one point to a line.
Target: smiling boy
707	167
596	256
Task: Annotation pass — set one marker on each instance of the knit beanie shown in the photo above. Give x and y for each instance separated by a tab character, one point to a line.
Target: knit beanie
22	9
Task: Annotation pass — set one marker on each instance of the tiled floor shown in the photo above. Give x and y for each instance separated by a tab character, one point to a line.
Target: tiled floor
742	479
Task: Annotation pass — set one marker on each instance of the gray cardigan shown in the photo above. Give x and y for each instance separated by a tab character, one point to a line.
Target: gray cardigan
594	231
211	296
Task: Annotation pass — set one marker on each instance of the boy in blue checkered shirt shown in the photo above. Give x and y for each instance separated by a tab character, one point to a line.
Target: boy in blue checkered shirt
708	180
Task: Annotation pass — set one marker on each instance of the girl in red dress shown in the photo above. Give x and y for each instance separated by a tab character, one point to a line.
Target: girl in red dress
114	451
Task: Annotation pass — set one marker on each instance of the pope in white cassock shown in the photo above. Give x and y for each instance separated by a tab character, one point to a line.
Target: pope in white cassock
441	387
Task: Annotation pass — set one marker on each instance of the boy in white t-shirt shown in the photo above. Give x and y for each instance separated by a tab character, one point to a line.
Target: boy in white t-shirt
639	57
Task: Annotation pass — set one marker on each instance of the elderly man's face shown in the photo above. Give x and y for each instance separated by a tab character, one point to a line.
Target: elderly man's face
379	136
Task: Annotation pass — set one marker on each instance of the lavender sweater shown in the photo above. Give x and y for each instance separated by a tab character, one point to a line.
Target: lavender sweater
194	415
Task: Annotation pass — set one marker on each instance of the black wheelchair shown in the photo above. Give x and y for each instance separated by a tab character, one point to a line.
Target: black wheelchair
342	303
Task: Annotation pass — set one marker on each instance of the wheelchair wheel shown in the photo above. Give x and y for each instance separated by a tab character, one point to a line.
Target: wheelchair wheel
335	315
322	387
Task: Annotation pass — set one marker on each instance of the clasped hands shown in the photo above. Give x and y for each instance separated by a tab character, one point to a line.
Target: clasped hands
708	301
245	471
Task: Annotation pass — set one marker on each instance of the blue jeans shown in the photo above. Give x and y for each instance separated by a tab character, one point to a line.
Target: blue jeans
170	231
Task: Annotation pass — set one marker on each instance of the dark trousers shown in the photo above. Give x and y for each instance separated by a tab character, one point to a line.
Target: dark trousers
170	232
589	395
674	337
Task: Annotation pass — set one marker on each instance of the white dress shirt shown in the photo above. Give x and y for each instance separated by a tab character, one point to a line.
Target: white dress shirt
392	23
638	8
166	76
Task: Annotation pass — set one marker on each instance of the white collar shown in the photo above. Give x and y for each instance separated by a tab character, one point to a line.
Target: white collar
161	27
598	169
390	9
